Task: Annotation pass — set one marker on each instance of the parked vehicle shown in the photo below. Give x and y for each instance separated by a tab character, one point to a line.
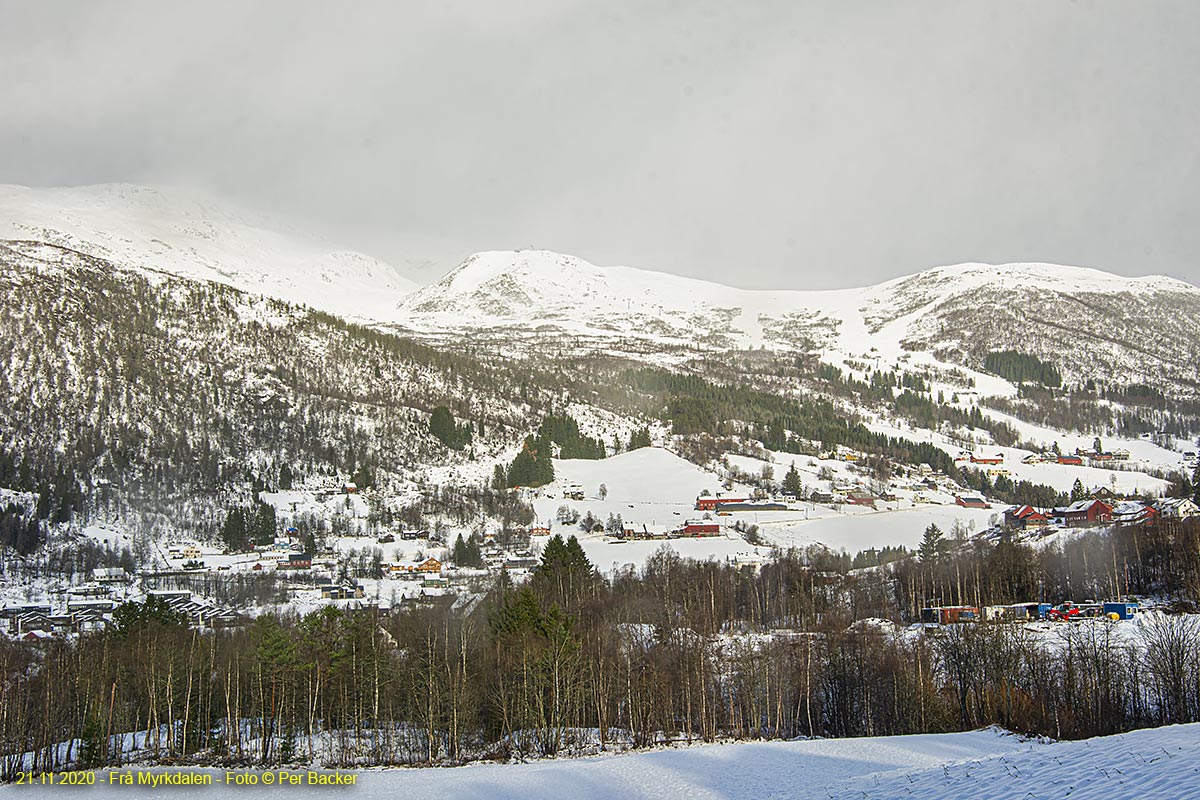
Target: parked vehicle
1064	612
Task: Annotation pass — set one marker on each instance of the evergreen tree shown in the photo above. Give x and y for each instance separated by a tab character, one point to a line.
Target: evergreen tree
933	545
265	525
445	430
467	552
1078	492
460	553
1019	367
532	466
499	479
564	432
791	482
639	438
233	532
564	571
1180	486
474	553
520	471
154	611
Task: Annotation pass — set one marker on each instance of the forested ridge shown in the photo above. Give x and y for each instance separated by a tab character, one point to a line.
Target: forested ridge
151	392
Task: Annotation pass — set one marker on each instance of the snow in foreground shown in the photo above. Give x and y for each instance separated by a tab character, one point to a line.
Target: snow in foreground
1156	763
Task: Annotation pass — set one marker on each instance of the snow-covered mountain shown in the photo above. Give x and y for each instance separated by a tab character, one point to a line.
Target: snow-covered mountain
1088	323
193	236
1084	320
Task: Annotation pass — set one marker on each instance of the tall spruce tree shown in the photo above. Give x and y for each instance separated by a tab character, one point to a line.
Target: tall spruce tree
791	481
933	545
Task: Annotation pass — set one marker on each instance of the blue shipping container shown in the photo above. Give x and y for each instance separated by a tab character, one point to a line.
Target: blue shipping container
1122	610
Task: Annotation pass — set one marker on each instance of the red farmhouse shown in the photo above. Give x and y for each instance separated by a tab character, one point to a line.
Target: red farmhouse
1085	512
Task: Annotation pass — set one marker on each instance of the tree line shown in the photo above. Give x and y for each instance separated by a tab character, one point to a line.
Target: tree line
1021	368
678	649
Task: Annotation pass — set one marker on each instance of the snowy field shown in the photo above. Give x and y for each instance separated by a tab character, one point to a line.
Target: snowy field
854	532
986	765
656	489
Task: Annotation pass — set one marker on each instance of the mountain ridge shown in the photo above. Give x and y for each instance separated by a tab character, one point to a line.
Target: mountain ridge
948	316
523	302
195	236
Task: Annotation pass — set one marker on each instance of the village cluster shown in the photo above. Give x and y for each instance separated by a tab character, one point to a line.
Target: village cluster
423	567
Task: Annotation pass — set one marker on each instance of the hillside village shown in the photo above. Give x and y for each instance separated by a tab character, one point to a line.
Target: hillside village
374	565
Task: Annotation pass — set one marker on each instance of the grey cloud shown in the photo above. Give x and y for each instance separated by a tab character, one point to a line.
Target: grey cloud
767	144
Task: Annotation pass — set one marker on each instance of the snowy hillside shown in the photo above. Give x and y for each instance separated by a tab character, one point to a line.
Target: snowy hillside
194	236
181	383
1089	323
1082	319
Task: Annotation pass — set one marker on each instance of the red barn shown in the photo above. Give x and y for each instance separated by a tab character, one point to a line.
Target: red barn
858	498
711	503
1074	461
996	459
701	529
971	501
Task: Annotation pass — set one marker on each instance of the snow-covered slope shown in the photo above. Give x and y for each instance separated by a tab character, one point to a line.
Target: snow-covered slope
1156	763
540	292
1082	319
1087	322
193	236
1143	764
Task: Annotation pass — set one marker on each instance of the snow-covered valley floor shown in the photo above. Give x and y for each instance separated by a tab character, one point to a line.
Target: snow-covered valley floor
987	764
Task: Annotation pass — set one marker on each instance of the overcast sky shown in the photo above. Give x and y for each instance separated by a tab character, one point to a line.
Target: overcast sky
781	144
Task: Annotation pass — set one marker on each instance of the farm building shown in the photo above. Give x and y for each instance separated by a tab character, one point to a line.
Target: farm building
711	503
752	507
971	501
860	498
1132	512
296	561
1084	512
111	575
1025	517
